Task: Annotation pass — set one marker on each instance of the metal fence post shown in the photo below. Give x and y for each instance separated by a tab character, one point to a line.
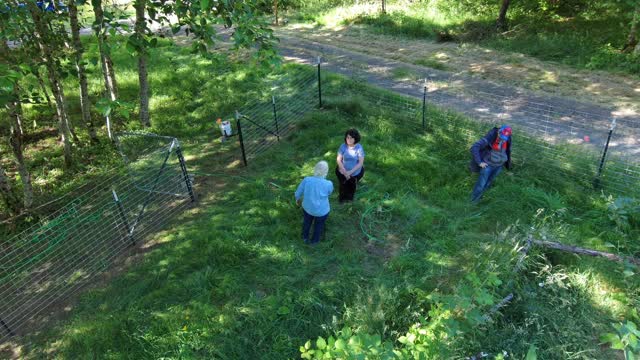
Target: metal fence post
424	104
319	84
185	174
123	216
244	156
153	188
6	328
596	181
275	116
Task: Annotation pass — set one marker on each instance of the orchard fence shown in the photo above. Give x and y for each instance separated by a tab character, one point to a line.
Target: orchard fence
64	253
595	149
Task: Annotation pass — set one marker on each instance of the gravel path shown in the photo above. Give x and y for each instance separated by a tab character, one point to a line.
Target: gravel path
553	118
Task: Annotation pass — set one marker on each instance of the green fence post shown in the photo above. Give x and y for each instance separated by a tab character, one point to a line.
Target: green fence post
6	328
319	84
244	155
596	181
424	105
275	116
185	173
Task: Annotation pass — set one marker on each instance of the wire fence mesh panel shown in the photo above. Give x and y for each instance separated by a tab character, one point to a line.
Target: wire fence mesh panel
619	166
563	140
568	141
265	121
63	253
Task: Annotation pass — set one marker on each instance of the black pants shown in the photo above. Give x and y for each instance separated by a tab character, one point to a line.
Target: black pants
348	187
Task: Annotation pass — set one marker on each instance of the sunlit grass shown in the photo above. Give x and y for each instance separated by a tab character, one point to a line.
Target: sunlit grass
232	279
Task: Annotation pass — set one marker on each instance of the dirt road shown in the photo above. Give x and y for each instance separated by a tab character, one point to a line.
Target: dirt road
482	84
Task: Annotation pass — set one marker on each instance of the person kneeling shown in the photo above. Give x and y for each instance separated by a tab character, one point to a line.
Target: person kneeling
489	155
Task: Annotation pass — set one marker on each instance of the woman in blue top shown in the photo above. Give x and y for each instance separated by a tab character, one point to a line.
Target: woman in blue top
315	191
350	167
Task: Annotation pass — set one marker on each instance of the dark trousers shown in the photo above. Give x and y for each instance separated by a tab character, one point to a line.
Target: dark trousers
318	227
348	187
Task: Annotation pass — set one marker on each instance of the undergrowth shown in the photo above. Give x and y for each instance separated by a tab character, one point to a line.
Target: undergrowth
409	268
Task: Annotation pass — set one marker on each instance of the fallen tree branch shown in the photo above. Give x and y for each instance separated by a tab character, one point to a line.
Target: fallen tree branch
582	251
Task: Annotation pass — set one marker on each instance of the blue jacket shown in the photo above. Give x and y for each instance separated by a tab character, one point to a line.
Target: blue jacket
315	193
482	147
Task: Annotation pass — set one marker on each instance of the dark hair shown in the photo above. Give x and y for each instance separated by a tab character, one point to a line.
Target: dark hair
354	134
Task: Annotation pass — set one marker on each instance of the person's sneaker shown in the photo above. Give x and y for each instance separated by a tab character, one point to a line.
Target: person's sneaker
306	241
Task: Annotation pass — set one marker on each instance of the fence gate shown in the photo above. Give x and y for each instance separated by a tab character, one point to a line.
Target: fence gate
63	253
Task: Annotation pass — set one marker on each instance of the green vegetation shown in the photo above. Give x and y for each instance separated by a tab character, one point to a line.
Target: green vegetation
410	269
589	35
232	280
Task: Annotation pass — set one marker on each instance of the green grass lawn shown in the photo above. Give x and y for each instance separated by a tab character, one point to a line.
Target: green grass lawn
231	278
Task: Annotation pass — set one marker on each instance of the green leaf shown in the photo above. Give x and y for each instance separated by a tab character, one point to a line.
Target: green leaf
629	355
531	354
340	344
484	298
307	345
609	338
130	47
204	5
628	273
283	310
321	344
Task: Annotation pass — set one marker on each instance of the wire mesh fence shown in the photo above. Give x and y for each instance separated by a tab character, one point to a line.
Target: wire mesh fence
592	148
63	253
264	122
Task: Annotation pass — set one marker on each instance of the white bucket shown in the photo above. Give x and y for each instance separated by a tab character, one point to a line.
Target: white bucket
225	128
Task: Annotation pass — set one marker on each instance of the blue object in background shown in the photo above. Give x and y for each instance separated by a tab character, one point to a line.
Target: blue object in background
50	5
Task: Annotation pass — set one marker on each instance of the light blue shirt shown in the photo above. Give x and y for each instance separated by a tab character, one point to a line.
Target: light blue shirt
351	156
315	192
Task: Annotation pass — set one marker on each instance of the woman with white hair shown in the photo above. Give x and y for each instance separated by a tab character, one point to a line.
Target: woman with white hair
314	191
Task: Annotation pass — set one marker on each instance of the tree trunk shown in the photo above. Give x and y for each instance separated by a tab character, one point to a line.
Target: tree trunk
501	23
7	194
140	6
78	50
105	57
275	10
43	87
384	7
14	110
5	56
56	87
632	44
